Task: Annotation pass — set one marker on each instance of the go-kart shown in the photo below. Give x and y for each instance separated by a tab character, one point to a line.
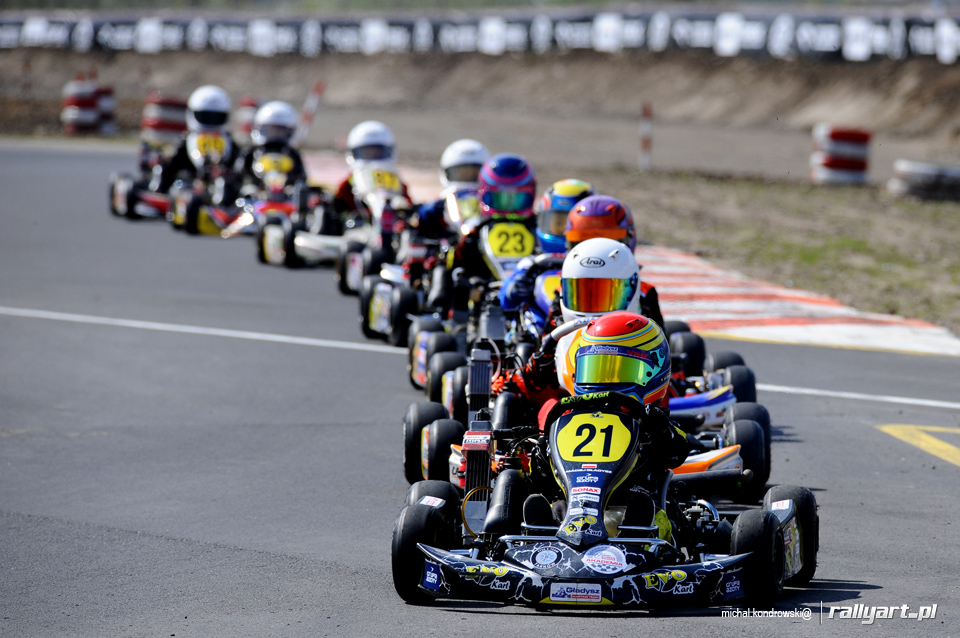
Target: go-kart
650	545
129	196
204	206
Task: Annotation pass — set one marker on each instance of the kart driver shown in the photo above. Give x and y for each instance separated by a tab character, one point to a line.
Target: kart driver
273	127
369	143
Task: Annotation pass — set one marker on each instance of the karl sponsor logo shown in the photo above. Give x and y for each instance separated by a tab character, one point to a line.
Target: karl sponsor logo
500	585
592	262
867	614
664	580
580	593
683	589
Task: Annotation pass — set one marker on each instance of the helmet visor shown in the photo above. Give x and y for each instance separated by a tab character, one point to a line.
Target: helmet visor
614	364
577	235
372	152
211	118
509	201
274	133
552	221
465	173
597	295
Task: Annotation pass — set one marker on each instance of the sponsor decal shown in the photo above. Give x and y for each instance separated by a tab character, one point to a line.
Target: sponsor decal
592	262
546	557
432	501
683	589
595	349
581	524
591	511
587	497
605	559
589	466
575	511
486	569
476	439
664	580
500	585
586	478
431	576
584	490
730	586
781	505
576	593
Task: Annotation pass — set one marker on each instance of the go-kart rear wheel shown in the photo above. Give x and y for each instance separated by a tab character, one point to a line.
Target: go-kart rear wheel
743	382
441	434
806	504
291	259
416	524
437	365
460	406
418	327
758	532
715	361
373	259
367	288
758	413
438	489
691	345
191	215
749	436
670	327
262	238
418	416
343	259
403	302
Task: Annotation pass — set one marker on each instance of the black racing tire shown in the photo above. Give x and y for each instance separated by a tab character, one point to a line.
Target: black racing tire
670	327
111	195
191	216
373	259
507	411
262	238
330	222
403	303
758	413
460	405
441	434
743	382
418	416
690	344
715	361
437	365
343	284
416	524
809	519
367	288
758	532
749	436
417	326
290	257
505	509
438	489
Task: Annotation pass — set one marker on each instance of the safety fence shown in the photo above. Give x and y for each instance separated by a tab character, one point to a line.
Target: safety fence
882	33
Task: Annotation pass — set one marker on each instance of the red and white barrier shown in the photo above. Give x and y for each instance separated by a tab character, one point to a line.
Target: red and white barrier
840	155
164	119
107	107
243	118
646	137
80	113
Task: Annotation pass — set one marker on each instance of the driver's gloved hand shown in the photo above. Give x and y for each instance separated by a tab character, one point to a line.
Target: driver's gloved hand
541	371
522	287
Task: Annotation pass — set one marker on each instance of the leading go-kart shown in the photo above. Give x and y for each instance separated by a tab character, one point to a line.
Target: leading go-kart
651	545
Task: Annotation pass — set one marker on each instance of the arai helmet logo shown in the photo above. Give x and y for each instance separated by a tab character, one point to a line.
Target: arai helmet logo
592	262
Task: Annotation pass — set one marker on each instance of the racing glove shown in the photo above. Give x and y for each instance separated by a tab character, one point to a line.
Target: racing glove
541	372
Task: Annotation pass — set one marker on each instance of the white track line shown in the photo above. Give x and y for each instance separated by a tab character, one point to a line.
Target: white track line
856	396
198	330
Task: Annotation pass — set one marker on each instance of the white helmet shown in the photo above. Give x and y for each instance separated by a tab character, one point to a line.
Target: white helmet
208	109
461	162
599	275
274	122
370	141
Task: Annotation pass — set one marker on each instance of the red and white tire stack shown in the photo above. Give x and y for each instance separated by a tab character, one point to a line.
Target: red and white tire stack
80	113
246	110
107	107
839	155
164	120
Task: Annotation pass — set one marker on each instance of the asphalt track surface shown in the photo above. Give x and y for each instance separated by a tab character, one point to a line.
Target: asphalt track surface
189	483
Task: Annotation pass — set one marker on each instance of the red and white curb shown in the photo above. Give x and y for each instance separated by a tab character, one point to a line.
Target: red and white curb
725	303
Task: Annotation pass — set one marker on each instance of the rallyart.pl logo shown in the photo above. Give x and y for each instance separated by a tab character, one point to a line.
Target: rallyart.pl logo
867	615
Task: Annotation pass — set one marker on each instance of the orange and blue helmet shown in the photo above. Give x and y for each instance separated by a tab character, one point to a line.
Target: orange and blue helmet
507	187
623	352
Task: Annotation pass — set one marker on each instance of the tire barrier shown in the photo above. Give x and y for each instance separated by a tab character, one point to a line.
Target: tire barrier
243	119
164	120
107	107
840	155
80	114
925	181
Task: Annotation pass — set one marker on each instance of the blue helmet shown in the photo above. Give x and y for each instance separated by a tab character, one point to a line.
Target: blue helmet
554	206
507	186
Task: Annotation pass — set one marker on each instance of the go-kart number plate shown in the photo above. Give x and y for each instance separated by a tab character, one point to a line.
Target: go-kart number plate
386	180
274	162
511	240
593	438
209	144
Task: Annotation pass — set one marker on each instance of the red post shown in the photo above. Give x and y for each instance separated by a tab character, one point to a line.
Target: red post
646	137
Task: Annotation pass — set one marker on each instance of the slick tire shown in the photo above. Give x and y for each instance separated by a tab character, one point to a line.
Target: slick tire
749	436
191	216
441	434
437	366
418	326
373	259
758	532
291	259
690	344
416	524
758	413
716	361
367	289
343	283
670	327
438	489
403	303
262	238
809	519
418	416
461	375
743	382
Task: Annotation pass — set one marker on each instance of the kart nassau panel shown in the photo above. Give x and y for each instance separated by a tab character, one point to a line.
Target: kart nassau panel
378	312
713	405
786	513
552	573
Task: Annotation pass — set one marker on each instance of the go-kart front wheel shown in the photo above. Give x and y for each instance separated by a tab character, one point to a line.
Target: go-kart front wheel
191	215
716	361
343	267
418	416
758	532
749	436
367	288
809	520
416	524
437	366
689	344
753	412
291	259
403	302
441	434
743	382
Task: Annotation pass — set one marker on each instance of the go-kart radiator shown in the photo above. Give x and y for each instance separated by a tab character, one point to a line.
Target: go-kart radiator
479	382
